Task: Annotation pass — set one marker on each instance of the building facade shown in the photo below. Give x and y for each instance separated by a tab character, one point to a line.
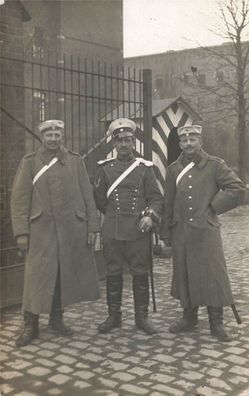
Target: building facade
202	79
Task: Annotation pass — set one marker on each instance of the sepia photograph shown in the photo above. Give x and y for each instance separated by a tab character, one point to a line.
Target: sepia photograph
124	172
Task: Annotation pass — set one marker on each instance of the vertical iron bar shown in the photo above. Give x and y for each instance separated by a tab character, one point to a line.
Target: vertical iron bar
56	85
79	116
117	82
49	93
111	87
140	107
93	137
134	105
65	96
129	92
147	116
99	113
105	101
32	94
123	95
72	103
86	110
41	85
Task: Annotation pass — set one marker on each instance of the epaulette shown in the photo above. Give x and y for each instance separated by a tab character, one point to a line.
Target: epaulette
146	162
173	163
107	160
30	155
74	153
216	159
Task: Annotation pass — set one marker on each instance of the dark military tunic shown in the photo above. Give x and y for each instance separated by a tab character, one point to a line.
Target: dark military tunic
190	219
123	210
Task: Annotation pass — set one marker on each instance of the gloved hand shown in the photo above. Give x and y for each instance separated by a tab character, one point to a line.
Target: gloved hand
145	224
91	238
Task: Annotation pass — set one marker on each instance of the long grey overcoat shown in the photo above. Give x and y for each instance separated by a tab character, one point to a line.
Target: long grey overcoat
57	212
190	220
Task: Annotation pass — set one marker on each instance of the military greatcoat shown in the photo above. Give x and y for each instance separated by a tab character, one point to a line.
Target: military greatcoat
190	220
57	212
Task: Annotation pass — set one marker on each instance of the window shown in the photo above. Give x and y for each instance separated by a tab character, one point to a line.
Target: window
38	42
186	78
39	102
219	76
202	80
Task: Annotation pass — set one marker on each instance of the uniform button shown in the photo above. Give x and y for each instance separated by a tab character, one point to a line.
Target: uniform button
190	197
117	199
134	199
190	176
133	208
191	219
135	189
190	208
118	207
190	186
115	190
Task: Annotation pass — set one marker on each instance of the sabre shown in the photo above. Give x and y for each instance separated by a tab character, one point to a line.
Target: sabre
236	314
151	273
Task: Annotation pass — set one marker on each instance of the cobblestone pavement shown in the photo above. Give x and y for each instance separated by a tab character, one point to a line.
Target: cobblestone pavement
126	362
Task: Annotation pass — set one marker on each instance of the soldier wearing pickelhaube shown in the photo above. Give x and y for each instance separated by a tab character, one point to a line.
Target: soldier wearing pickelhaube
54	221
126	192
198	188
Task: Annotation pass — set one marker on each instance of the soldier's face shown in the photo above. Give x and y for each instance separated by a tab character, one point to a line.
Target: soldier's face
52	139
124	146
190	145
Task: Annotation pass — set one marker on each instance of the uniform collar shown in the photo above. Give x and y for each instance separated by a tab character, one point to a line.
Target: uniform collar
200	159
46	156
130	159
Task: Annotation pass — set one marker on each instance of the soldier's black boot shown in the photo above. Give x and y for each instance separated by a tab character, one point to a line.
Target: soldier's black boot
141	303
215	316
188	321
56	323
30	331
114	288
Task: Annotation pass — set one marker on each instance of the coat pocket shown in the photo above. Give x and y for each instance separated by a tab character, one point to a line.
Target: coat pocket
80	214
35	215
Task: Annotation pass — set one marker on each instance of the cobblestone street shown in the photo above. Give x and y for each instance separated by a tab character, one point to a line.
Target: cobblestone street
126	362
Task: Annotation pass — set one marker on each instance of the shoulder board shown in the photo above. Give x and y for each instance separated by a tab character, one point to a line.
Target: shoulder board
216	159
105	161
145	162
30	154
74	153
173	163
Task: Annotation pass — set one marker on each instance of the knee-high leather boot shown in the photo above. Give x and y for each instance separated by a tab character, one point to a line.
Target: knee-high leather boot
57	323
141	303
215	316
188	321
114	288
30	331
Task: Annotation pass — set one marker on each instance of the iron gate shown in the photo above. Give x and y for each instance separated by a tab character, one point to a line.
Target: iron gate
86	95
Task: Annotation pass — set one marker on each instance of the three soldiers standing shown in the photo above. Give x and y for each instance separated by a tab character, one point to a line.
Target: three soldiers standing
52	192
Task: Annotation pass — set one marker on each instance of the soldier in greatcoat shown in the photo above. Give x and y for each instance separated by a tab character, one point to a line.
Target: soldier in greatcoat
198	188
126	192
54	221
